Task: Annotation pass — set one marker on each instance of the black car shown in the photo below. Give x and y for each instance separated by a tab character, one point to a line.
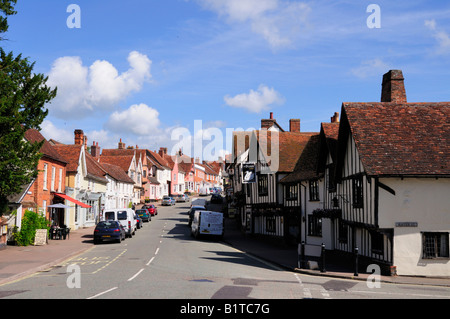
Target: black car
216	199
109	230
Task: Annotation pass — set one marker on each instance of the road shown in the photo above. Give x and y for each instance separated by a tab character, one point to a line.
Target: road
162	261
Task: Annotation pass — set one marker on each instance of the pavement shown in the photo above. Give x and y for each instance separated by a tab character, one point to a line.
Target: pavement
19	262
286	257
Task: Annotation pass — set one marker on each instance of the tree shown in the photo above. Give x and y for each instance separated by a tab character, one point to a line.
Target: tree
7	8
23	96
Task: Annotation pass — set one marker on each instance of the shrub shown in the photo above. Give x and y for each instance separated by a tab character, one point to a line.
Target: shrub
30	222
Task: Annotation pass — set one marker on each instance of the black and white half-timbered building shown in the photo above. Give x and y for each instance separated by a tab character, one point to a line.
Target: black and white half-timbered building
376	182
272	153
393	179
312	180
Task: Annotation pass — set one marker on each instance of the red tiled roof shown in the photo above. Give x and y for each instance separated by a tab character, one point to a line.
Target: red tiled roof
123	161
94	168
33	135
399	139
71	153
117	173
306	166
157	159
290	147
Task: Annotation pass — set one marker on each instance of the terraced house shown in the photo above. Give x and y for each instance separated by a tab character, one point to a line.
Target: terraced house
85	183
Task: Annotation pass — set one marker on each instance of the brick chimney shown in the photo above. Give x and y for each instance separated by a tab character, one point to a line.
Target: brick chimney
79	137
95	150
294	125
162	151
335	118
393	87
121	145
266	123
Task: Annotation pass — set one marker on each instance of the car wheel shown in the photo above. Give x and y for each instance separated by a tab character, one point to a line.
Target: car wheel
119	240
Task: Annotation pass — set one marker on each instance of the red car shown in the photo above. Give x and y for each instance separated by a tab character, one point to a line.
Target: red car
151	209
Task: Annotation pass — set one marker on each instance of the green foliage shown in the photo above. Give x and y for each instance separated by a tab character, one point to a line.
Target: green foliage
23	96
6	9
30	222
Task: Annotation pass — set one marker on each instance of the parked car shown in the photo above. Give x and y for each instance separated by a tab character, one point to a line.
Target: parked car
192	212
109	230
144	214
182	198
125	216
216	199
168	201
152	209
139	222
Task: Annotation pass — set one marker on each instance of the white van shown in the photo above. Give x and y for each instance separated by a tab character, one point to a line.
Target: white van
125	216
207	223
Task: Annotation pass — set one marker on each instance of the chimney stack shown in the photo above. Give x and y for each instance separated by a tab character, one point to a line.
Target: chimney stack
162	151
79	137
335	118
266	123
95	150
393	87
121	145
294	125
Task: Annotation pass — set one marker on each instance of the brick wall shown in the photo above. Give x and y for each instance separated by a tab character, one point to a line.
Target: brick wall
38	193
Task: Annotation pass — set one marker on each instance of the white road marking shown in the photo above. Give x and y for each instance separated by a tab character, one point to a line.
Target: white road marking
137	274
102	293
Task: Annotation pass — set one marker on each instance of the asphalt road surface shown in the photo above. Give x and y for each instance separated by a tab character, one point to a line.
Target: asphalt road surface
163	261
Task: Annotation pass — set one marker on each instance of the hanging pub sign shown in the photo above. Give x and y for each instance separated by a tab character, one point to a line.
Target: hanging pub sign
248	173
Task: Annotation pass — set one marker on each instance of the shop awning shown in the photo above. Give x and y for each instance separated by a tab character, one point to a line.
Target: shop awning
73	200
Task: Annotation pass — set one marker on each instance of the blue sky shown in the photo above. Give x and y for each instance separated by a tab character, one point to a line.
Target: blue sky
143	70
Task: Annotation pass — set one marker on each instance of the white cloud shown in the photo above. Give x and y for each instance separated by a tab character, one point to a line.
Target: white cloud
442	37
255	101
139	119
50	131
278	22
82	89
369	68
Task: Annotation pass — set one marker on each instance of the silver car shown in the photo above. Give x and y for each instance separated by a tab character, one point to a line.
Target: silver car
167	201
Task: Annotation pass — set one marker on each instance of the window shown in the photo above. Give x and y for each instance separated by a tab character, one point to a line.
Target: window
343	233
314	190
44	186
330	177
314	225
270	224
377	240
292	192
357	192
263	185
435	245
60	180
52	185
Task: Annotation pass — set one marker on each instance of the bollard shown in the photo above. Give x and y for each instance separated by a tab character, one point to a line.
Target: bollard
323	259
302	257
356	261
